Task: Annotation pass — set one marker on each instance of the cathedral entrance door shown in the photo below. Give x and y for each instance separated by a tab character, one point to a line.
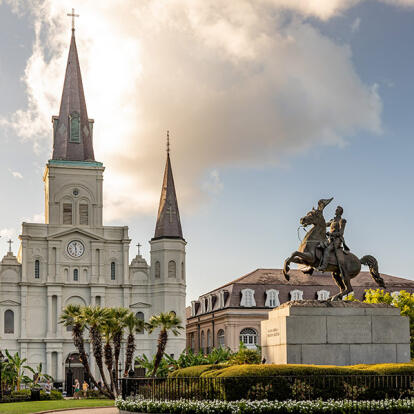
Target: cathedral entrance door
74	370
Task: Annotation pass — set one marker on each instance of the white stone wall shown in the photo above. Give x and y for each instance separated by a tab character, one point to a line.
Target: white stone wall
38	302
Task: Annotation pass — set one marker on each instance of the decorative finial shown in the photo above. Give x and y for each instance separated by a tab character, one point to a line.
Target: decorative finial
168	142
139	249
10	241
73	15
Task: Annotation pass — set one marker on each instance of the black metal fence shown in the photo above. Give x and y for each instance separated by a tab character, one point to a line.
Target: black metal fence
352	387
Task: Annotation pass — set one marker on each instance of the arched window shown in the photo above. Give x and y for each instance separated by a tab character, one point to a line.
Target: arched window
8	322
112	270
272	298
75	124
247	299
141	316
182	271
83	214
192	341
296	294
157	270
323	294
249	337
75	275
208	341
67	213
220	338
37	269
203	342
172	269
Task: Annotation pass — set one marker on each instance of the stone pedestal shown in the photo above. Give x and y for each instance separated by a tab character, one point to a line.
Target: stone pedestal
335	333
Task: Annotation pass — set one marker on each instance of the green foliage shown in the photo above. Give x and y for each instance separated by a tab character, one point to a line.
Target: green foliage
196	371
246	356
56	395
163	367
404	301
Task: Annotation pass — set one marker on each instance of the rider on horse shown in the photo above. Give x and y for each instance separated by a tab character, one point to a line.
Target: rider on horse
335	238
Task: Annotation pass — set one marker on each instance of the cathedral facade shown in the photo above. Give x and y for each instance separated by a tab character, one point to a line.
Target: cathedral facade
74	259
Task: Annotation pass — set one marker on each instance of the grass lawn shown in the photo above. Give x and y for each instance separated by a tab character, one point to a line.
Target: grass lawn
28	407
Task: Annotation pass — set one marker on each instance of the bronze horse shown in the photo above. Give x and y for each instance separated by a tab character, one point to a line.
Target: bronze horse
310	254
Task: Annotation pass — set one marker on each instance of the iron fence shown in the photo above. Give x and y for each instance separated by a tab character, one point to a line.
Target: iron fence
281	388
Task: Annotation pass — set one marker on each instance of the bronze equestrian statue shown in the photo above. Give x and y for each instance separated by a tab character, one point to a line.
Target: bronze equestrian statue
323	251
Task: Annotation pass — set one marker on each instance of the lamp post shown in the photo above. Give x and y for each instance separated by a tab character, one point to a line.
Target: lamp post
69	379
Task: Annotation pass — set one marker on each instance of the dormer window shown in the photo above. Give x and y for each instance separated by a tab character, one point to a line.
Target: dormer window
272	298
75	131
247	299
323	294
296	294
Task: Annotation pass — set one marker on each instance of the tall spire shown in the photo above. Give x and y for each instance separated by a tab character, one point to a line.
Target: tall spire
72	129
168	220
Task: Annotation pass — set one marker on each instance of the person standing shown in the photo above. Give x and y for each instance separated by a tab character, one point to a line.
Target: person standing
85	387
77	389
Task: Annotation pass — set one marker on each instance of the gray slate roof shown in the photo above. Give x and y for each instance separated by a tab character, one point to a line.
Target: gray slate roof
73	100
168	219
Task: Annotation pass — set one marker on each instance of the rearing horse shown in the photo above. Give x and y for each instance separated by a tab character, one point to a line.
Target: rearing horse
310	254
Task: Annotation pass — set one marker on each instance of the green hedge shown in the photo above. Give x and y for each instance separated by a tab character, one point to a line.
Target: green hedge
25	395
281	382
270	370
195	371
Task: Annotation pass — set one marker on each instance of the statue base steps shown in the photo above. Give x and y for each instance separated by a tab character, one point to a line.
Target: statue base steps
335	333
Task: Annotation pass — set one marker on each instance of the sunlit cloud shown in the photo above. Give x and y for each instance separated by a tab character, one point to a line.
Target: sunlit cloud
16	174
236	83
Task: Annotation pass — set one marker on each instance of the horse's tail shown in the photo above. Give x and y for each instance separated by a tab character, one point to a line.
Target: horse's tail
372	263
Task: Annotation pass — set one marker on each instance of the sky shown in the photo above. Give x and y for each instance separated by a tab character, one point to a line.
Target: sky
271	105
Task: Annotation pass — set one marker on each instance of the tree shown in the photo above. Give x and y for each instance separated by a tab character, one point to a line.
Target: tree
134	325
94	317
166	322
38	374
72	316
17	365
404	301
118	315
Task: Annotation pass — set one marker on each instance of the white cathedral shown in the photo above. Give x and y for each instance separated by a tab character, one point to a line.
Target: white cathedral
74	259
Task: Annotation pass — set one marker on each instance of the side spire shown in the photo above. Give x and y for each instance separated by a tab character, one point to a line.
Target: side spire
168	220
72	129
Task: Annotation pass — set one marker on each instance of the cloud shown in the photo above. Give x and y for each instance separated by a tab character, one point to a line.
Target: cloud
237	84
213	184
355	25
16	174
36	218
7	233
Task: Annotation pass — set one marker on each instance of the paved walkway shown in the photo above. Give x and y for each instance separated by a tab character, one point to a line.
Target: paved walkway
102	410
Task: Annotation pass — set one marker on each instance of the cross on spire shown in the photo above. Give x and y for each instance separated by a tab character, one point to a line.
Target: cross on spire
10	241
168	142
73	15
139	249
171	212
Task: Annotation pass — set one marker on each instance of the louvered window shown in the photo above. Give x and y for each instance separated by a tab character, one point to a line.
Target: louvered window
172	269
37	269
67	213
113	271
75	275
157	270
75	127
83	214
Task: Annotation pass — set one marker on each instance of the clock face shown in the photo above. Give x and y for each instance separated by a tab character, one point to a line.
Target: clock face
75	248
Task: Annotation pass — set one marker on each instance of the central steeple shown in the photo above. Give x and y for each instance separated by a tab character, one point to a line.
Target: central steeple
72	129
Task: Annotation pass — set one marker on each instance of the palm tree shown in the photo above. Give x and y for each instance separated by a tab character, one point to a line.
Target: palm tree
108	332
119	315
167	322
72	316
94	317
17	365
134	325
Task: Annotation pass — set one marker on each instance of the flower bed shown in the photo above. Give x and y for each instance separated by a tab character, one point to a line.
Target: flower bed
264	406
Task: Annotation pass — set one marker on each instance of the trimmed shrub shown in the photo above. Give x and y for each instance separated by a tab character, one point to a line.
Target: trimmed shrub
55	395
195	371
